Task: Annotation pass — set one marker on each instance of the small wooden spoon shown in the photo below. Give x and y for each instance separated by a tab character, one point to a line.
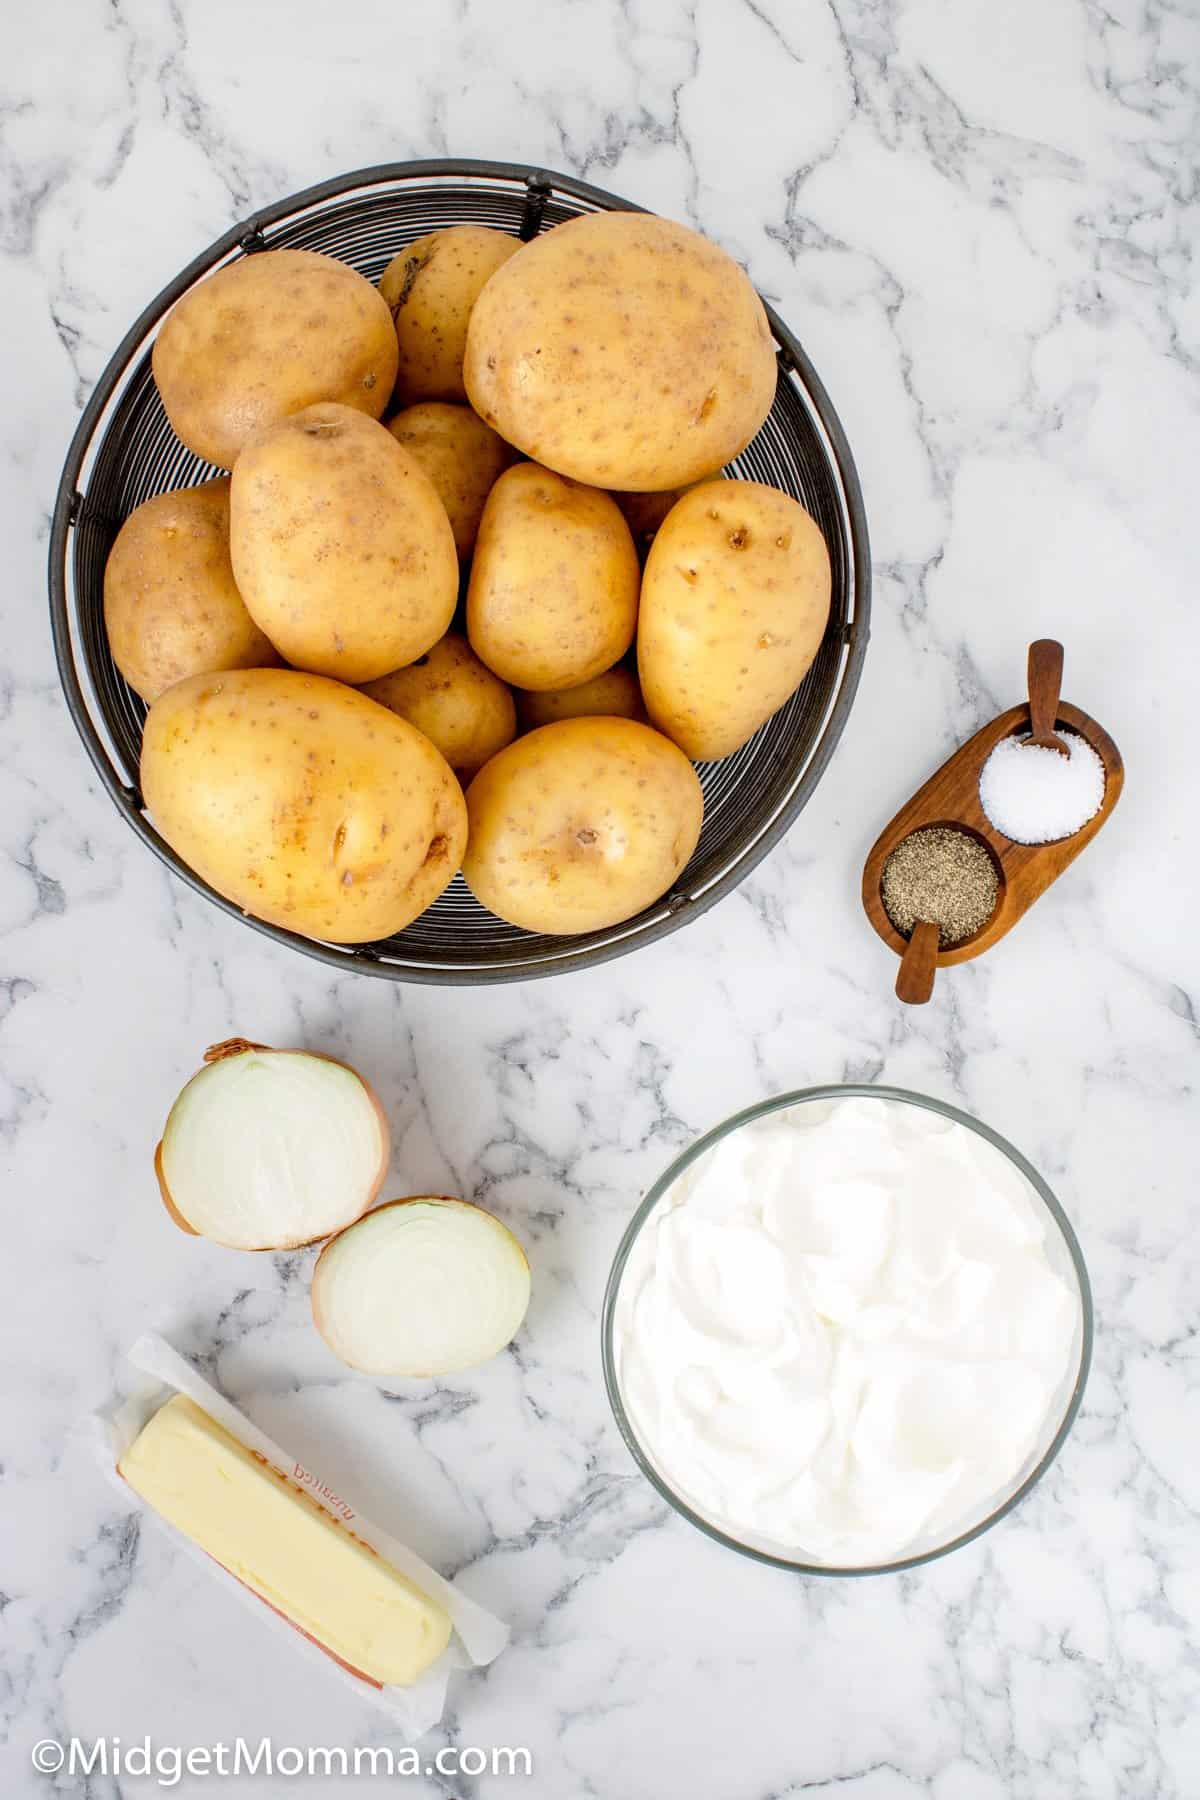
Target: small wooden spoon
1045	685
914	981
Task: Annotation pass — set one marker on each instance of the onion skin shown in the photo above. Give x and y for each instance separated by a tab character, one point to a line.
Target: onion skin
238	1047
173	1211
409	1200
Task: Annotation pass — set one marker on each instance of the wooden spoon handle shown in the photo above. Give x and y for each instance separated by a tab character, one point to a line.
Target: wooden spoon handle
918	965
1045	685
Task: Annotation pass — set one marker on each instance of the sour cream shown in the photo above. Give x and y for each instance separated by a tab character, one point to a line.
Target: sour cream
840	1334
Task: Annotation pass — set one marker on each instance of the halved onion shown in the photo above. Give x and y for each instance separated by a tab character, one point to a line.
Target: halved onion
268	1149
426	1286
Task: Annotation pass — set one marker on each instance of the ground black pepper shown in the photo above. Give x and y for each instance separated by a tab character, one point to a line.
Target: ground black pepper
943	876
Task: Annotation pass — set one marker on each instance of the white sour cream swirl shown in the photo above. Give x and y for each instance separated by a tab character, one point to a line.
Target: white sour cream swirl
840	1333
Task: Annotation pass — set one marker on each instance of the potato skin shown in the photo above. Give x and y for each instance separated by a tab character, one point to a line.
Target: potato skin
622	350
735	601
644	513
581	824
553	594
463	709
171	605
305	803
430	289
613	695
266	337
462	457
341	548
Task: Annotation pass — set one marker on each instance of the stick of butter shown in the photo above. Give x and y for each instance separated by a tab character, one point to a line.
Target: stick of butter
282	1544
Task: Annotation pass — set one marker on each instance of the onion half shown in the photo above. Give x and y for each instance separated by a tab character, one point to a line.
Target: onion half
269	1149
425	1286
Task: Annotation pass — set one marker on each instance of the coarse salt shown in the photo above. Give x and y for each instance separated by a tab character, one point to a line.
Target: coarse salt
1034	795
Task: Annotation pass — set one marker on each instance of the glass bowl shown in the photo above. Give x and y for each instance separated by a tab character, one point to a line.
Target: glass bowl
1062	1250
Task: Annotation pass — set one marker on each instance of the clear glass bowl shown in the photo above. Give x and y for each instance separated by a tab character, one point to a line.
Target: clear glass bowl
1062	1249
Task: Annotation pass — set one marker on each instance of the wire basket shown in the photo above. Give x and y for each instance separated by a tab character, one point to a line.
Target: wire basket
124	451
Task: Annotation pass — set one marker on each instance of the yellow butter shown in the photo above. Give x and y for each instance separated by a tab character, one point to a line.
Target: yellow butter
276	1539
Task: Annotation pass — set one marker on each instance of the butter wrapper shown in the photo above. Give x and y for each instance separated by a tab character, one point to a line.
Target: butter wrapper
478	1636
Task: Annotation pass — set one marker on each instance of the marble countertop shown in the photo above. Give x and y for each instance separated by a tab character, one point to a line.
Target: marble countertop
981	221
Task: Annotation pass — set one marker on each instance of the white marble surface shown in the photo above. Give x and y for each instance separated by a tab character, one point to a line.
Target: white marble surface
981	219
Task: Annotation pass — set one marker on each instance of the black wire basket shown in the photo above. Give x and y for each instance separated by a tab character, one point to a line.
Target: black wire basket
124	451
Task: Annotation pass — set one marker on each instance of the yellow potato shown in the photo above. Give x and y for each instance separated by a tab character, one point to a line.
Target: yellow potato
613	695
581	824
266	337
171	605
622	350
341	548
304	803
430	288
462	457
458	703
554	584
644	513
735	601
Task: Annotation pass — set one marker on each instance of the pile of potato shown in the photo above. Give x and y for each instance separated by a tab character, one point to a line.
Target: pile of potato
315	716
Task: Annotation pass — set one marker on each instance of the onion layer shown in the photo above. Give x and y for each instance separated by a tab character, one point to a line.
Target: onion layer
425	1286
269	1149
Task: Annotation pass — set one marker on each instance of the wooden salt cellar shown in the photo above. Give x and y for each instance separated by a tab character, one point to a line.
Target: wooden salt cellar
1025	871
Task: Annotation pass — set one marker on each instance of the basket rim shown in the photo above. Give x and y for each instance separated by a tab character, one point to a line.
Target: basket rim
676	911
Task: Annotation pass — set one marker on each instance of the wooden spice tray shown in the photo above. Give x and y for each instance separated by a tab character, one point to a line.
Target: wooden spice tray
951	798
